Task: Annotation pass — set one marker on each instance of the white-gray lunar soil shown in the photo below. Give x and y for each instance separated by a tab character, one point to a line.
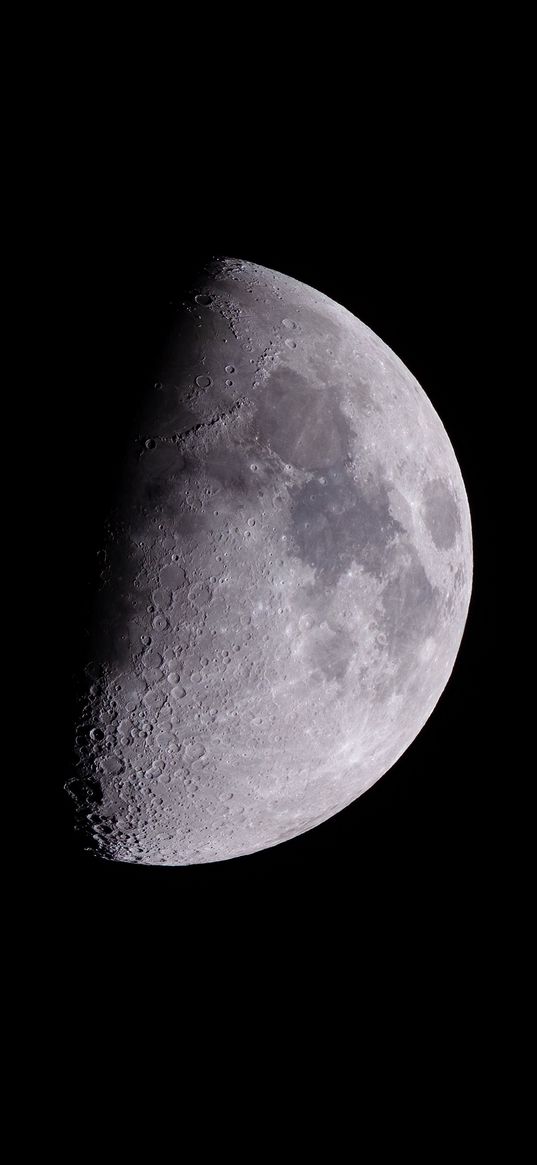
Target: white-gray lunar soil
287	574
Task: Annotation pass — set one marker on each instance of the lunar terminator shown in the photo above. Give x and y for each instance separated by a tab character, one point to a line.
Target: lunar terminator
287	574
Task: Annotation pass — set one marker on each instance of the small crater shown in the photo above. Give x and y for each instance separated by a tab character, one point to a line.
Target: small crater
159	623
194	752
178	692
162	598
172	576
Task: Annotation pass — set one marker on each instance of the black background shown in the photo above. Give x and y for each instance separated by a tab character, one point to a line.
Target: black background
408	252
383	166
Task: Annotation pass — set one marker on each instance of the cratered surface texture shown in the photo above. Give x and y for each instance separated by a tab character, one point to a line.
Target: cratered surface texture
286	578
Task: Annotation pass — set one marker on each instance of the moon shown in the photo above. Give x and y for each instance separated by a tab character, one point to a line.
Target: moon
285	579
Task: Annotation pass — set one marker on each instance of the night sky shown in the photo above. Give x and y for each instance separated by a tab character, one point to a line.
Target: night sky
410	257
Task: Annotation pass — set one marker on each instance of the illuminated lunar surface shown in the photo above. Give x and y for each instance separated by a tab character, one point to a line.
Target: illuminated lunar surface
286	578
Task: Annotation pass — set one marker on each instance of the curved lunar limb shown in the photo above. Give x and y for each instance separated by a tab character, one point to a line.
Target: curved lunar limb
287	574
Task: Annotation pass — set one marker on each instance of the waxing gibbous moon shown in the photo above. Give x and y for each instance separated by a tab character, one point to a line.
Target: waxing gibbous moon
286	576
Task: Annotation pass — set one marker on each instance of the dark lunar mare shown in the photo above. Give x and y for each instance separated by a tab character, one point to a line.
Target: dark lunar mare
283	576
